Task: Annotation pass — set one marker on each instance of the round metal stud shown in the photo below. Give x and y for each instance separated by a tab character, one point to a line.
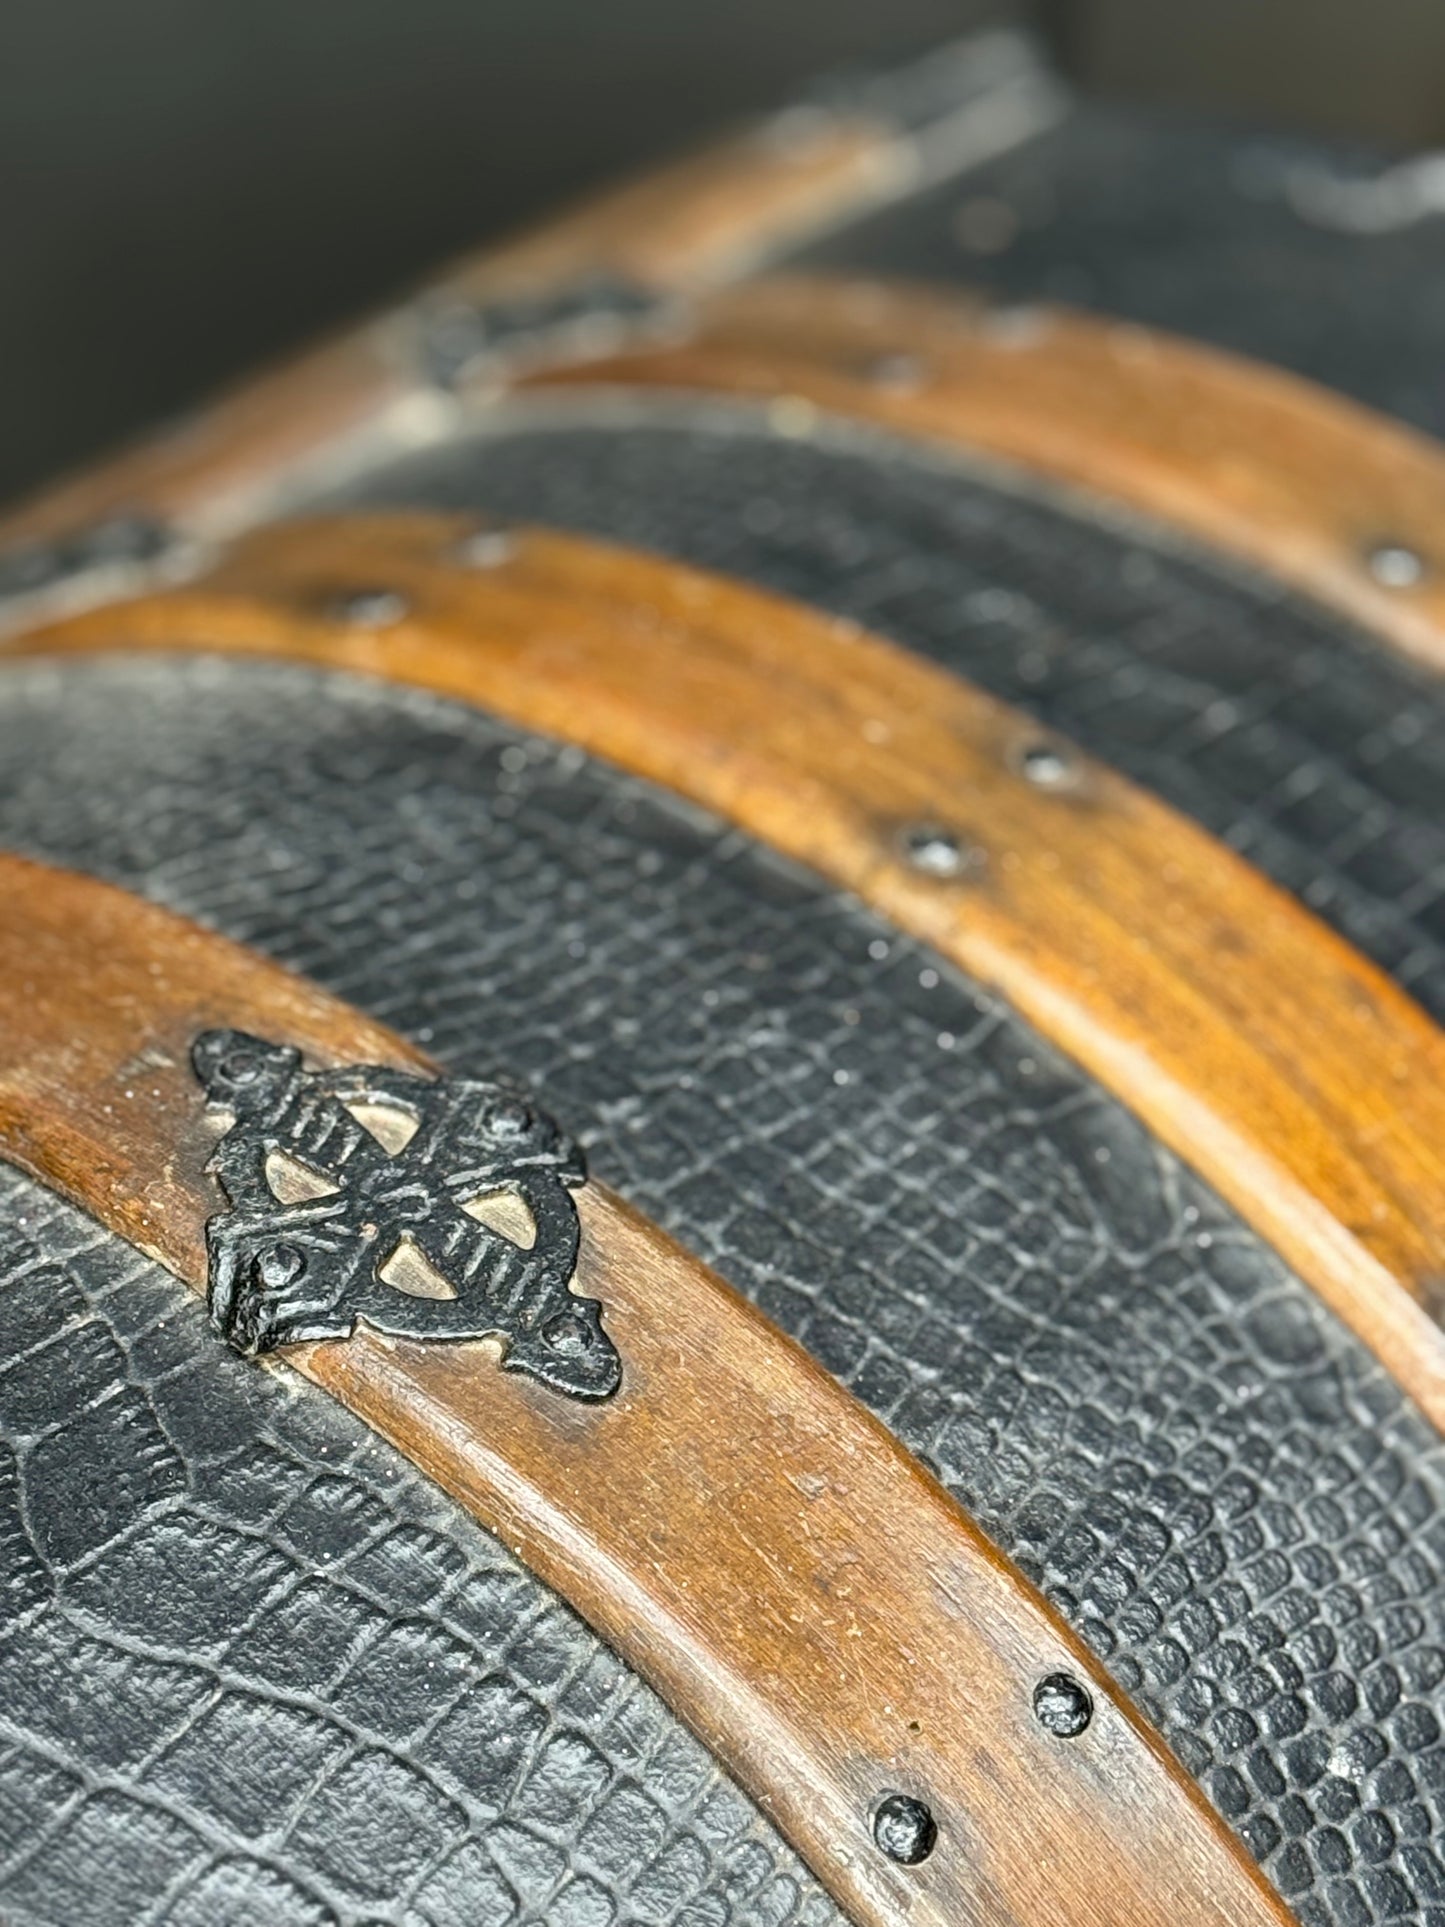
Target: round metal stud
898	373
1046	765
485	549
372	608
566	1335
1394	566
1063	1705
280	1266
240	1067
508	1117
936	852
904	1829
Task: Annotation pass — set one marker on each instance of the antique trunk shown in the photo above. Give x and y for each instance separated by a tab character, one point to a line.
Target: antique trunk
722	1109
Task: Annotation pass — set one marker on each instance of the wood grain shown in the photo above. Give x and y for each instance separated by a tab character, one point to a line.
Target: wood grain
732	1521
1267	1053
1229	453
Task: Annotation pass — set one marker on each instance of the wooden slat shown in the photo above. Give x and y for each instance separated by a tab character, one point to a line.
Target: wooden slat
1234	455
213	467
732	1521
679	228
1280	1064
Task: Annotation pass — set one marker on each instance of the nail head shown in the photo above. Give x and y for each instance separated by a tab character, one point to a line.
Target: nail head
1394	566
1063	1705
936	852
904	1829
1045	765
372	608
486	549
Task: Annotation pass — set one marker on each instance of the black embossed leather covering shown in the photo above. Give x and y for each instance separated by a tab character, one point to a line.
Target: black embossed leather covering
256	1672
1316	753
1207	1474
1320	257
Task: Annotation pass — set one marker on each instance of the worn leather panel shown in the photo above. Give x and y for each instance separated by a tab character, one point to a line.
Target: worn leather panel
1317	754
1314	256
1202	1468
256	1672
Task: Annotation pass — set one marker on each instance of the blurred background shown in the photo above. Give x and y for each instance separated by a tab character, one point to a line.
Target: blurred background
191	186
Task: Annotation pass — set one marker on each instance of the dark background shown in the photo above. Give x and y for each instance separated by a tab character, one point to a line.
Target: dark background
189	186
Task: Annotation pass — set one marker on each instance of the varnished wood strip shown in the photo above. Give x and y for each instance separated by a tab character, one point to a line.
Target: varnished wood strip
684	226
732	1521
205	469
1274	1059
1260	464
707	217
717	215
673	231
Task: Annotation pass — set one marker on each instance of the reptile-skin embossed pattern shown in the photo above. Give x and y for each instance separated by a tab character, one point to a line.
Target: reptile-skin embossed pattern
1257	243
1319	756
256	1672
1204	1470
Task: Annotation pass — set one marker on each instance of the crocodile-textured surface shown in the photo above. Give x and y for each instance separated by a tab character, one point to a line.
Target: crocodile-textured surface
256	1672
1203	1469
1312	256
1316	754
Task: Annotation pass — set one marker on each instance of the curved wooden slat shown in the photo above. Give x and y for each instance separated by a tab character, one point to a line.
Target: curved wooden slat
1274	1059
1267	467
731	1520
682	227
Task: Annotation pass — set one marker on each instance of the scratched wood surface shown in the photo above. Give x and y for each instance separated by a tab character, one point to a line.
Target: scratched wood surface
1259	1046
758	1547
1247	459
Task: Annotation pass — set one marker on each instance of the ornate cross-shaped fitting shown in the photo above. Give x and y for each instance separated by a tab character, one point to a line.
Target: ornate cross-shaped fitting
428	1208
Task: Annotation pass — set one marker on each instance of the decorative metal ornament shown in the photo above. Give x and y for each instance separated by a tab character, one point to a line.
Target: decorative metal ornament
455	338
431	1209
